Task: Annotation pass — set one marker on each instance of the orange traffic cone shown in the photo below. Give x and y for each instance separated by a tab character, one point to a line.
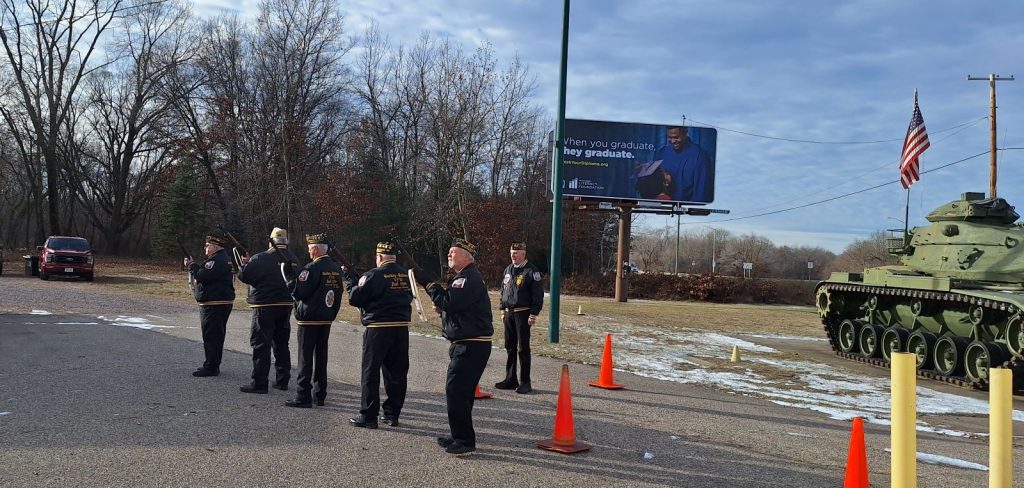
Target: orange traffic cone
857	459
480	394
606	380
564	439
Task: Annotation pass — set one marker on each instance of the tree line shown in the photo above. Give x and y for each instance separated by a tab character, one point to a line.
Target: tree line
136	123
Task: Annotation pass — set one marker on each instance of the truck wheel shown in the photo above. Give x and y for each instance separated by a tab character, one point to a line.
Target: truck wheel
43	276
87	277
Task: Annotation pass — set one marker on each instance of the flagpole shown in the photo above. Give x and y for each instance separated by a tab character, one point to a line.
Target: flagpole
906	218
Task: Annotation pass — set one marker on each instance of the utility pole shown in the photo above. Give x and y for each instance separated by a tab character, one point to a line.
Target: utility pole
678	216
556	187
992	79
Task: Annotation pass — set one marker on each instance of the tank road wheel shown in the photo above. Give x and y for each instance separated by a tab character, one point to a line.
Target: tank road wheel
1015	334
848	331
922	343
949	354
894	339
982	356
870	340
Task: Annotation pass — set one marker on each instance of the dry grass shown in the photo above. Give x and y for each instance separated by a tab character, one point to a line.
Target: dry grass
580	336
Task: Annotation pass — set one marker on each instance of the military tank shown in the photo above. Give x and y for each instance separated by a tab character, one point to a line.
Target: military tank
956	300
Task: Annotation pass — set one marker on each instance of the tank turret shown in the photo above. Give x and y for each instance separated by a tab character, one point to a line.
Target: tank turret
973	239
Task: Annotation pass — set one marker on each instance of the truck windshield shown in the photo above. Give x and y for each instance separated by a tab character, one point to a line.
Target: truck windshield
65	244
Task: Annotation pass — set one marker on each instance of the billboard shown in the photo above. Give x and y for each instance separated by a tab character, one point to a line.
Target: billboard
629	161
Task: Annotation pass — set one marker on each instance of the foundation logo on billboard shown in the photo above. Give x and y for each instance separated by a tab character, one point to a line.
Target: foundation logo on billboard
581	184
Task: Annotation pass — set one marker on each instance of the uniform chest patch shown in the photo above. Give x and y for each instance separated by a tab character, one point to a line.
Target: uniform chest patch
362	280
508	278
520	279
208	265
536	276
329	299
303	275
459	283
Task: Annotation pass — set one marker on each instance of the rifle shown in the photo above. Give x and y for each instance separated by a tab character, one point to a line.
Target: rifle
191	281
237	249
335	254
284	259
412	277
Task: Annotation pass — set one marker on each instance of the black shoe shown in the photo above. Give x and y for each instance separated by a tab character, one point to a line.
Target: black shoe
319	402
298	403
445	441
361	422
283	387
507	385
524	388
204	372
252	388
391	420
459	449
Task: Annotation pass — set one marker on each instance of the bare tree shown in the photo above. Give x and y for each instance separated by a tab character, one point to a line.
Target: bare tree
49	47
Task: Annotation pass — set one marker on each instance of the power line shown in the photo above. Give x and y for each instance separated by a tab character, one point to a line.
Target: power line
870	171
843	195
808	141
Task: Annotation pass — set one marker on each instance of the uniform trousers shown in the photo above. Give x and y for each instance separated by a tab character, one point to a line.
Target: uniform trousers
312	362
385	350
467	362
213	321
271	328
517	345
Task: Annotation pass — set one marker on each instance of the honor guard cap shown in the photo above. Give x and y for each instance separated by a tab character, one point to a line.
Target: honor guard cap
279	235
466	245
518	246
387	247
216	239
316	238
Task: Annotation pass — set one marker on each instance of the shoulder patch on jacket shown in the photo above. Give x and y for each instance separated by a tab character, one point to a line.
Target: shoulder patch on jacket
208	265
303	275
536	276
459	283
362	280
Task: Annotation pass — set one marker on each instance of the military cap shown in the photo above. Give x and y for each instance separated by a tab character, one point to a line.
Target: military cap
387	247
518	246
464	244
216	239
279	235
316	238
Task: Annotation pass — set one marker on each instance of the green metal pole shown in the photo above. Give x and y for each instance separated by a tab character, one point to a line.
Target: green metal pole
556	189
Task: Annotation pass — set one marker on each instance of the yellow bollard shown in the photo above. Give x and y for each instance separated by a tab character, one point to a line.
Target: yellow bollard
904	420
735	354
1000	428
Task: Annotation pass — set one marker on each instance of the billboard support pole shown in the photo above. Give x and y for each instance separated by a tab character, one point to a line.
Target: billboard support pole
622	253
556	188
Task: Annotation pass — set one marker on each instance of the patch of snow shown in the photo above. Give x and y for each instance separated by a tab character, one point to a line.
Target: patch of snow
41	312
648	456
948	461
135	322
4	413
787	338
77	323
798	434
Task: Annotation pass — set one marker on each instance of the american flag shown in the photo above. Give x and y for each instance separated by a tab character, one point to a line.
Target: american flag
914	144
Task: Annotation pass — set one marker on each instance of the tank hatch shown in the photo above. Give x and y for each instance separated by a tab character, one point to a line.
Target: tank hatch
974	207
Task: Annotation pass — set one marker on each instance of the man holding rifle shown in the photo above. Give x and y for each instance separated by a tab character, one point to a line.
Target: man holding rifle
466	318
317	294
383	296
215	294
271	303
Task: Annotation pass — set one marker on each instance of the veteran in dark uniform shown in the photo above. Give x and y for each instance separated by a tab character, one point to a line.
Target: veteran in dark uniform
465	310
317	294
522	296
271	304
384	298
215	293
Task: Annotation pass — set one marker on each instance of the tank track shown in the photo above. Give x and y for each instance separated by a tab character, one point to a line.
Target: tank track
831	326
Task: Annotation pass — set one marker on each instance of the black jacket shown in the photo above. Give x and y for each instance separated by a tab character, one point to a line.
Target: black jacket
317	292
465	306
263	275
383	296
213	280
522	289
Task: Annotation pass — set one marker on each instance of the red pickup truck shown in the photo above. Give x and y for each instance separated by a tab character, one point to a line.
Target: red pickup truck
67	256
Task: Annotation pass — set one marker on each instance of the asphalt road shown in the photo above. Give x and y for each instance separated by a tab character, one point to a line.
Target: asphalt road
89	403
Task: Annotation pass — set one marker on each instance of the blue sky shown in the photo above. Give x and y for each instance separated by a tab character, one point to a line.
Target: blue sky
809	70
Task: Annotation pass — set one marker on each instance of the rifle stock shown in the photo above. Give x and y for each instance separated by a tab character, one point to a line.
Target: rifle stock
336	255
